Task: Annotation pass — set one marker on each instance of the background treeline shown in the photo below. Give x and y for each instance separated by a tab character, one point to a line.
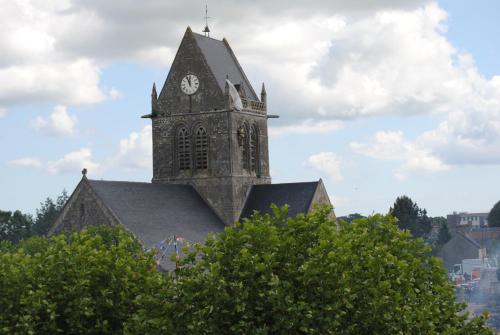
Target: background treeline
16	226
409	216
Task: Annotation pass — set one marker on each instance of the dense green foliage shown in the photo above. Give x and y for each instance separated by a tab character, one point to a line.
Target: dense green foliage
494	216
306	275
411	217
266	275
83	283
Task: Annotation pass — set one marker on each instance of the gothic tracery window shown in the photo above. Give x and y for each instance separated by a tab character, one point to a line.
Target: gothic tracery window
201	149
244	142
254	149
184	149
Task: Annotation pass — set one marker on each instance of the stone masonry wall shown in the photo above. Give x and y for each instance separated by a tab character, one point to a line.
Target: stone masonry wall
82	210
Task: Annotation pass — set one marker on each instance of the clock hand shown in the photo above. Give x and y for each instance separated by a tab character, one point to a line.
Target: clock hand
189	81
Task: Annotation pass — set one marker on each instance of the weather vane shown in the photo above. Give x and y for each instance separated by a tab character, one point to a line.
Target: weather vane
206	30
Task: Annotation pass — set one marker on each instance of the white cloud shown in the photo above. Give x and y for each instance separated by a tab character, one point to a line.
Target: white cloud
59	123
135	151
69	82
326	162
27	162
307	127
76	38
389	61
392	146
34	67
74	162
3	112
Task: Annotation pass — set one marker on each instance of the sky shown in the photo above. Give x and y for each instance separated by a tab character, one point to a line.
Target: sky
377	98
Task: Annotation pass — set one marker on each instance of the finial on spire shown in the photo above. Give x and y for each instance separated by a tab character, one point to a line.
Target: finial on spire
153	91
155	110
263	94
206	30
84	172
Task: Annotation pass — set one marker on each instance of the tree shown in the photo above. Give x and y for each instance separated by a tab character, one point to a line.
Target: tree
15	226
411	217
309	275
351	217
48	212
444	233
86	282
494	216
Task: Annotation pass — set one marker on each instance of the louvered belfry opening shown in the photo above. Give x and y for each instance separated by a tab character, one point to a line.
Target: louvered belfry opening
184	149
201	149
254	149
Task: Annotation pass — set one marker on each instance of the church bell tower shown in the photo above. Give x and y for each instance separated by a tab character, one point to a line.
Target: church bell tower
209	126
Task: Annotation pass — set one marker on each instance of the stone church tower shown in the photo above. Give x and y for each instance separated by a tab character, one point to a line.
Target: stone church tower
210	158
210	127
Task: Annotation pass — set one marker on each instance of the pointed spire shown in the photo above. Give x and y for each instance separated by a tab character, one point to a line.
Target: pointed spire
263	94
154	95
154	101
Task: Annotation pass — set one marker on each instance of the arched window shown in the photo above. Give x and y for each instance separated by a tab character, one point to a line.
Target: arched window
254	149
201	149
183	149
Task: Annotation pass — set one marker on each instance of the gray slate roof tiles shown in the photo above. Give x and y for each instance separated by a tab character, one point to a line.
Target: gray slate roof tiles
153	212
298	196
223	63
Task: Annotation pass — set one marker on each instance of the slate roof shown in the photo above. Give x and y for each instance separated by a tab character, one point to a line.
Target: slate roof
298	196
469	239
223	62
153	212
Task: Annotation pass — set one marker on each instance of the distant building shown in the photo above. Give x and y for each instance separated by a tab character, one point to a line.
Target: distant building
210	157
471	238
461	220
459	247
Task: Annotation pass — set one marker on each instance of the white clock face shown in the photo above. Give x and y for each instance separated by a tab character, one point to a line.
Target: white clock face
190	84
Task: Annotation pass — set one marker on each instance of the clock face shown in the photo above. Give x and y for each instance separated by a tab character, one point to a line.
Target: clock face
190	84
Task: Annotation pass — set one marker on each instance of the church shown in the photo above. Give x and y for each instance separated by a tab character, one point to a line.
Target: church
210	157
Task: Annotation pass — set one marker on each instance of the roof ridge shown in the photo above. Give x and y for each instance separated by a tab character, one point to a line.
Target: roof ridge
201	35
469	238
299	182
238	65
119	181
137	183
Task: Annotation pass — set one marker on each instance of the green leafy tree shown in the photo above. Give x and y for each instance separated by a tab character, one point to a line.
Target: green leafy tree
15	226
494	216
411	217
308	275
87	282
48	212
